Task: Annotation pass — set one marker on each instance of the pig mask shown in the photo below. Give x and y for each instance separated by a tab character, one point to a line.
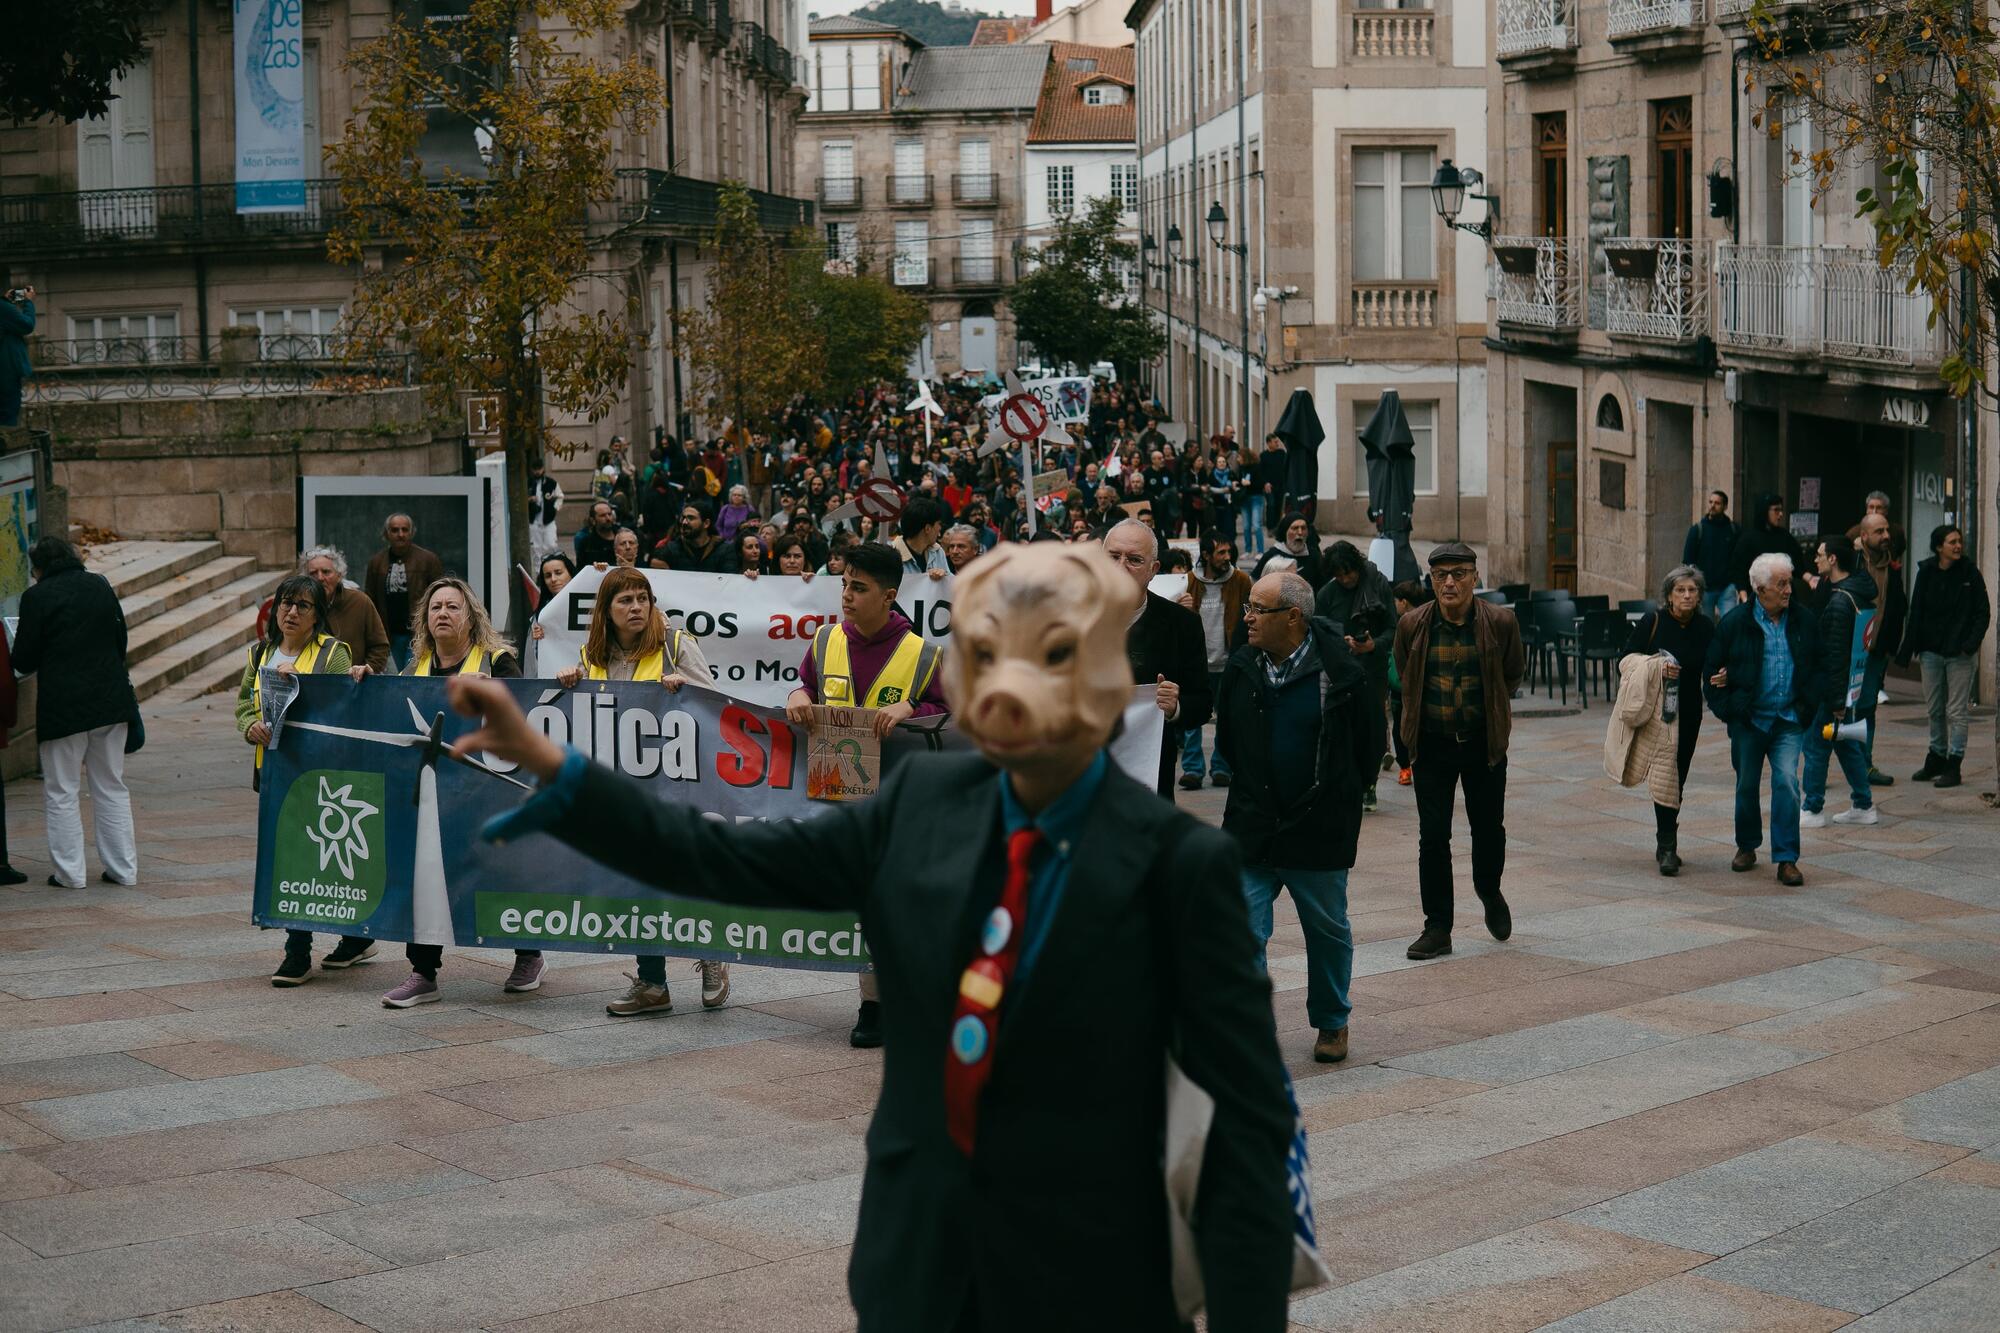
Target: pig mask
1037	672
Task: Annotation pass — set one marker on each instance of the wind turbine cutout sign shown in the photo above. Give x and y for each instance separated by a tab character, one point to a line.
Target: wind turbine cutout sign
1024	419
879	497
926	407
430	901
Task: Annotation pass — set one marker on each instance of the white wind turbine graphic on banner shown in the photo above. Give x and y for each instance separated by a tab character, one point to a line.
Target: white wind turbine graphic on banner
926	407
430	898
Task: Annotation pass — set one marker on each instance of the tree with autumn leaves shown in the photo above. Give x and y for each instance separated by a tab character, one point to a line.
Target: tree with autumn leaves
482	270
1914	88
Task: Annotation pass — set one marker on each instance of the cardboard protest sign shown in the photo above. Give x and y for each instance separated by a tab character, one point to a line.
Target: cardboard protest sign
366	826
844	762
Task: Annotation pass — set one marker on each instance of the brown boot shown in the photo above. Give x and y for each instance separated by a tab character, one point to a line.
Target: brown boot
1789	876
1742	861
1331	1048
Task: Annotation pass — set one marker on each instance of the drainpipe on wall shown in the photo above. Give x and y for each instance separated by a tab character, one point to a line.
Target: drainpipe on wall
194	143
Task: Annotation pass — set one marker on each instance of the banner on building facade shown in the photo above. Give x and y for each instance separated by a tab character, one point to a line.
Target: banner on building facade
753	632
270	106
366	827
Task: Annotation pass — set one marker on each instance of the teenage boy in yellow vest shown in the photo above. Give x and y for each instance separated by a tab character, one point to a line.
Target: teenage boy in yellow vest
872	659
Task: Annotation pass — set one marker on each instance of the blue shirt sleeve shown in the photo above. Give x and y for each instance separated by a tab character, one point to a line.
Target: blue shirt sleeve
546	807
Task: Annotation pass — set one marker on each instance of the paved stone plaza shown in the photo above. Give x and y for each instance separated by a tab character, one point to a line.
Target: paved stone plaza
1699	1103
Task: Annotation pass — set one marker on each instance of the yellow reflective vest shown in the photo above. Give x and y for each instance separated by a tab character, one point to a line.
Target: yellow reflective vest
473	661
903	678
307	661
653	666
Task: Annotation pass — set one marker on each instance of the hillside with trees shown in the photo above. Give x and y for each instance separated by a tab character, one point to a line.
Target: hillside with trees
927	21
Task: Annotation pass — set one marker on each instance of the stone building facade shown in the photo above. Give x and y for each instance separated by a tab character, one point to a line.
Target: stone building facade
1320	156
915	157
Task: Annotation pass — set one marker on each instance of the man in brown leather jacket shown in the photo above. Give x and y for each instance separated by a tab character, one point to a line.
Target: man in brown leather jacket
1460	661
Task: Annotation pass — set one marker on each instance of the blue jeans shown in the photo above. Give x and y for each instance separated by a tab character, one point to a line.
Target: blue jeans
1253	525
1191	742
1748	750
1853	756
1321	897
1718	600
399	650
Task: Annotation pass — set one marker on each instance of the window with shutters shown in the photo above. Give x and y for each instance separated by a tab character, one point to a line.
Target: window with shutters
913	254
152	335
114	165
1125	184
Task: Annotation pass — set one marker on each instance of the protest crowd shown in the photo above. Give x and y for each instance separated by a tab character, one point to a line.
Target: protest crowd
1287	669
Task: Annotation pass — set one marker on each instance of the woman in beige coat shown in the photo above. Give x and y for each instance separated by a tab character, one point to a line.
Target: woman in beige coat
1679	630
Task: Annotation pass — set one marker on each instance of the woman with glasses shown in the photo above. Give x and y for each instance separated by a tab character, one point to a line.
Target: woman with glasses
294	643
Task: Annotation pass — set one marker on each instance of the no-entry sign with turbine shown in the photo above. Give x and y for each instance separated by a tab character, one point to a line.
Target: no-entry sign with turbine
1023	417
880	499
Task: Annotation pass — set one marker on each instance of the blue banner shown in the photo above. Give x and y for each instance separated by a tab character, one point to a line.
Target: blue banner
270	106
366	827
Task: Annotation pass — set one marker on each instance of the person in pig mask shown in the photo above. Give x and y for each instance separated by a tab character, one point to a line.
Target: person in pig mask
1045	929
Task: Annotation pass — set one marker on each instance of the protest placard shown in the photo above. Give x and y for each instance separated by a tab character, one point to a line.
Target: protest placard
753	632
844	762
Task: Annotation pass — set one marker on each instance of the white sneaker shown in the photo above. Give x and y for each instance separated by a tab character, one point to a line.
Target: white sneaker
1858	816
1812	819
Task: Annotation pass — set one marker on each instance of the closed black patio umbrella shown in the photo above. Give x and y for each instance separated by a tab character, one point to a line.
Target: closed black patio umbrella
1299	428
1392	477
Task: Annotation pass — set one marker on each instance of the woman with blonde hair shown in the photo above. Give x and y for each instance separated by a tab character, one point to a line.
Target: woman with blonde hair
451	635
630	639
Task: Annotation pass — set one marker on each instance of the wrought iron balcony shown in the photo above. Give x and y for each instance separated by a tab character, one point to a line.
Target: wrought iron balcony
1539	32
975	187
156	215
909	191
1832	302
239	361
1538	282
1656	289
652	197
840	192
1658	29
976	271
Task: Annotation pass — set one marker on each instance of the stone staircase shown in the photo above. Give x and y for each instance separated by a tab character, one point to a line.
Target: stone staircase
190	610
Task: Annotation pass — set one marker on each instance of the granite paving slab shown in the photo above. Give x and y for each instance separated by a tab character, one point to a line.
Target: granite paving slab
134	1214
96	1115
1875	1251
1963	1301
1535	1052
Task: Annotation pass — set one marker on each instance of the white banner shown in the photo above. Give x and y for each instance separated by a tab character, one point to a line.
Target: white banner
1067	400
753	632
270	106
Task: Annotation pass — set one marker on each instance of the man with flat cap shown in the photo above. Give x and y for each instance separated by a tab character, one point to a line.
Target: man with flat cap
1460	661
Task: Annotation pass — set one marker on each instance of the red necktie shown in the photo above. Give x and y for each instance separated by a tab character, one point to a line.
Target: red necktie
975	1024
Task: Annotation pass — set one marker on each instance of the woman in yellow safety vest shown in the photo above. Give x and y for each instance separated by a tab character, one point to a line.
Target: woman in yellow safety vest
451	635
294	642
630	639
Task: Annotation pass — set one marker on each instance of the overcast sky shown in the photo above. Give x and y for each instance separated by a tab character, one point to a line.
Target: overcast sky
825	7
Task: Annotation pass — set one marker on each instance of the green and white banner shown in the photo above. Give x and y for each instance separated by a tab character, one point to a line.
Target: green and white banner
367	827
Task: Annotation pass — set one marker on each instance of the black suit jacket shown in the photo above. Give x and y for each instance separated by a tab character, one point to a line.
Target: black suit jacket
1058	1220
1166	640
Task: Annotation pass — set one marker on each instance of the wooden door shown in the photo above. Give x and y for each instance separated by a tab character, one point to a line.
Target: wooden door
1562	515
1673	168
1552	175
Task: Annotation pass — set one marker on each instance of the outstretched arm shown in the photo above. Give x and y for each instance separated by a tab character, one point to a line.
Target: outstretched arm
824	863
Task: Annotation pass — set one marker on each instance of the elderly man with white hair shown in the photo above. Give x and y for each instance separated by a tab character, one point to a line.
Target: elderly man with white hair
350	616
1164	644
1763	674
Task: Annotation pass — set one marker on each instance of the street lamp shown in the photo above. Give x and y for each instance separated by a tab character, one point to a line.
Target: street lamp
1218	227
1174	241
1448	193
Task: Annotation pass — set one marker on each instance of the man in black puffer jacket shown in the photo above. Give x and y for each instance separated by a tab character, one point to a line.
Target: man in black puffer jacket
84	708
1292	717
1846	591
